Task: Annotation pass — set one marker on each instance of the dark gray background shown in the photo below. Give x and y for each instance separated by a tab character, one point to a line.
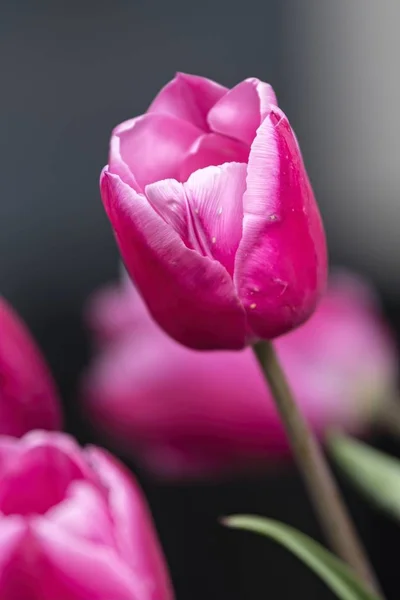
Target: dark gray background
70	71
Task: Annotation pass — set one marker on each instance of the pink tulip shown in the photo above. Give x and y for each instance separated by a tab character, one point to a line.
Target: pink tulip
74	525
186	413
214	214
28	397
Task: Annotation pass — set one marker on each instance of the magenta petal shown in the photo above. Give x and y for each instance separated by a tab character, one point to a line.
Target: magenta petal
241	111
281	263
116	310
12	533
215	195
28	396
339	363
185	413
188	97
168	199
190	296
9	452
115	160
79	570
343	359
212	149
37	480
136	536
84	513
152	147
206	211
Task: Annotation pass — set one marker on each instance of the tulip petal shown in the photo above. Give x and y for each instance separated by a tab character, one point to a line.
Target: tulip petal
84	513
37	470
28	396
281	262
192	297
12	534
116	311
152	147
116	161
142	406
36	483
206	211
12	530
168	200
80	570
215	196
9	451
188	97
138	543
212	149
241	111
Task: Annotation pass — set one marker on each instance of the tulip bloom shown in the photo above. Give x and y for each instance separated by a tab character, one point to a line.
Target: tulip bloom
28	397
74	525
214	214
186	413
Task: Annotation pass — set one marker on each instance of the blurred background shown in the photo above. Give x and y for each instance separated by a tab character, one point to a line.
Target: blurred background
72	70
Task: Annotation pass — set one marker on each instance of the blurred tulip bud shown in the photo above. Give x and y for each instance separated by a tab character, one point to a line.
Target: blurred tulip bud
186	413
28	397
214	214
74	525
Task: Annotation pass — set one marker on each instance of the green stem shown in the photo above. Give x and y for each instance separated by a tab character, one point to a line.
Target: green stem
322	488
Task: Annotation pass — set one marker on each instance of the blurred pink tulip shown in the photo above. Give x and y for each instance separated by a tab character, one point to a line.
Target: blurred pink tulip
74	525
186	413
28	397
214	214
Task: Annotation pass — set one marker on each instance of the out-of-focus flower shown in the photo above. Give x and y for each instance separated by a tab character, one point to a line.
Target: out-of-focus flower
74	525
190	413
28	397
214	214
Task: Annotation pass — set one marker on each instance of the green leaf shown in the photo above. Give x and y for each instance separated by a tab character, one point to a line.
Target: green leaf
376	474
337	576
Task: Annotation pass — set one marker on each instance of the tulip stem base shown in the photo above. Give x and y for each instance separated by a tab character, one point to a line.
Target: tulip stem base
324	493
